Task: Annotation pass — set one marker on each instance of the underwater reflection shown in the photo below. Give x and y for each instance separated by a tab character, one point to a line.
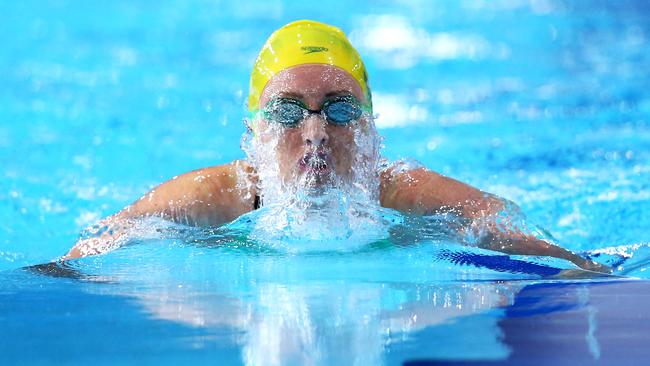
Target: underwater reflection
351	323
387	303
272	311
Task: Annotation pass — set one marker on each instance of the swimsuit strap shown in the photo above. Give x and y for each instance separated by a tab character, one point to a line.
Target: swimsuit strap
256	203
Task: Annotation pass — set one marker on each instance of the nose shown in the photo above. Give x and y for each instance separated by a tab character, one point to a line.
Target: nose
314	131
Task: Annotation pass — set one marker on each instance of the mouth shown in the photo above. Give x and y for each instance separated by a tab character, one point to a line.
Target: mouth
316	163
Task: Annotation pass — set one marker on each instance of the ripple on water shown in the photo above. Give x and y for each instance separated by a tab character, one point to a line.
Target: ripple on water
412	250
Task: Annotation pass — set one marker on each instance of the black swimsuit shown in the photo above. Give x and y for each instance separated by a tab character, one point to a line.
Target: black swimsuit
256	203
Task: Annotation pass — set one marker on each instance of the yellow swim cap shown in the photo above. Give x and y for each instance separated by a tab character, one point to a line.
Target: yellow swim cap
305	42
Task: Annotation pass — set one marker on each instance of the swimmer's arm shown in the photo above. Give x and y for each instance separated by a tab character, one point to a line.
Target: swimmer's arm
204	197
423	192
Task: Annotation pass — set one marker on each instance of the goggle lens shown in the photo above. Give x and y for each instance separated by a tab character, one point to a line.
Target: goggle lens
289	112
342	111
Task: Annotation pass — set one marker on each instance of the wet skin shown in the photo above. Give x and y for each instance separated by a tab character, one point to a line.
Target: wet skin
215	195
332	144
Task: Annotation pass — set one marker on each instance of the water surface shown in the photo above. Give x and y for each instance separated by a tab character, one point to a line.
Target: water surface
542	102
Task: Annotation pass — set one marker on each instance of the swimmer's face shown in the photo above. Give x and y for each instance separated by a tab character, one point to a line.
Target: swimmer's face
314	147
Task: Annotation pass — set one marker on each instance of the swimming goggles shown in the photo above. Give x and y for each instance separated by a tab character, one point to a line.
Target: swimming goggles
339	111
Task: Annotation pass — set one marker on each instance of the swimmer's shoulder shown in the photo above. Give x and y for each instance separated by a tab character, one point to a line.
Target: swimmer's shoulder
236	174
401	185
229	187
211	195
412	188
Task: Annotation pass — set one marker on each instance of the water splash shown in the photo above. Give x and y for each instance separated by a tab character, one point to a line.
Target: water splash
626	260
332	204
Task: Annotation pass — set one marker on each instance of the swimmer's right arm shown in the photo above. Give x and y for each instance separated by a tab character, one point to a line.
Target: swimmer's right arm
205	197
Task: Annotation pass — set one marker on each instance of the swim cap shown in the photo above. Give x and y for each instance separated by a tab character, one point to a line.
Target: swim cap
305	42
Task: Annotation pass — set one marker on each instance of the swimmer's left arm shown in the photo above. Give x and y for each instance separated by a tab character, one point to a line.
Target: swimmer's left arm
423	192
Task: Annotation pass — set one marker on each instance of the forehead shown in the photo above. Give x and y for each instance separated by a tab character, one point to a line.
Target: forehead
311	83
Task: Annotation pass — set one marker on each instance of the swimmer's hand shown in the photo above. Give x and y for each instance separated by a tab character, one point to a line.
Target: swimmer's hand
590	265
578	274
518	243
108	234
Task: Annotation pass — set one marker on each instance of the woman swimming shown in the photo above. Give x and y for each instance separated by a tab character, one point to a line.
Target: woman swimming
311	132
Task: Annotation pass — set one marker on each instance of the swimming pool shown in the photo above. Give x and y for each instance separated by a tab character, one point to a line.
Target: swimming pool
541	102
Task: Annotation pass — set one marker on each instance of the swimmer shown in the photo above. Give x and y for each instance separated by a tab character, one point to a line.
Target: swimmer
310	128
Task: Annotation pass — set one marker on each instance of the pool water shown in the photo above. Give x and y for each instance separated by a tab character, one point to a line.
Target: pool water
542	102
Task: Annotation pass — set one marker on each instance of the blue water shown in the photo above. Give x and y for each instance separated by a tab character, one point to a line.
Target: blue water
543	102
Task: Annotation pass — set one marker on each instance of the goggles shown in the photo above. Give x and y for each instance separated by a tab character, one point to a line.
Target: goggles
338	111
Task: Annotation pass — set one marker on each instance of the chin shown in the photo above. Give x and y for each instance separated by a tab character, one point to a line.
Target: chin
317	180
